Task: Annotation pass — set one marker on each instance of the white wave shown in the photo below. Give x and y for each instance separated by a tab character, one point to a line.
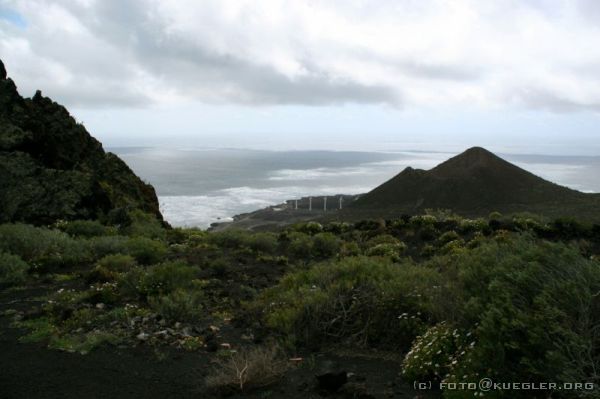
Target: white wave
221	205
316	173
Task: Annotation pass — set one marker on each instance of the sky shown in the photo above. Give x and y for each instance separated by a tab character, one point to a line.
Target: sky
515	76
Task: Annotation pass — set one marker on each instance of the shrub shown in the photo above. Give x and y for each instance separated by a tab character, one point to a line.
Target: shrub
276	260
382	239
117	262
495	215
219	267
526	223
85	228
179	235
300	245
157	280
232	238
263	242
532	305
428	232
571	228
448	236
326	245
393	251
434	355
166	277
143	224
179	305
349	249
428	250
100	274
105	292
41	248
310	228
13	270
337	227
145	250
370	225
453	247
107	245
423	220
130	283
248	369
357	299
473	225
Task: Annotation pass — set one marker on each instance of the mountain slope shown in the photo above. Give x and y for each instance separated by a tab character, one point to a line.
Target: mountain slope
476	183
51	168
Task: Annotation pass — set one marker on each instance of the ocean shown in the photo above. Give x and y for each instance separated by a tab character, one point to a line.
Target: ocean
197	187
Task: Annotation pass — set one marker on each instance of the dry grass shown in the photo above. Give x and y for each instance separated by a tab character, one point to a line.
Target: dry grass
249	369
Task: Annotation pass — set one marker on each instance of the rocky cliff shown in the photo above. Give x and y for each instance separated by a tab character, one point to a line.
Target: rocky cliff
51	168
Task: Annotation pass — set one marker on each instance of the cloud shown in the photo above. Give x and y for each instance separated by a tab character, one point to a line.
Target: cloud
507	53
551	101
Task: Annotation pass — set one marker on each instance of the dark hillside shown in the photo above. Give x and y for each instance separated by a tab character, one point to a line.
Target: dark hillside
51	168
475	183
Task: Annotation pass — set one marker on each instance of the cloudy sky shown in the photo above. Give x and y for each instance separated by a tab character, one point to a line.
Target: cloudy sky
513	75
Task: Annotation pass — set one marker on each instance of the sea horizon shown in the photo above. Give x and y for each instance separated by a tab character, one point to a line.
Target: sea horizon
198	186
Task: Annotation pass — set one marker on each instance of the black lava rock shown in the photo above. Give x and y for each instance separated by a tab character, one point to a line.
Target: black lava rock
332	381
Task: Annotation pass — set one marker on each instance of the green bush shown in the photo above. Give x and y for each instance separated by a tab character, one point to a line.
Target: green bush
145	250
232	238
143	224
109	267
473	225
104	292
349	249
219	267
495	215
453	247
393	251
186	236
533	306
337	227
41	248
428	232
571	228
100	274
159	279
13	270
107	245
360	300
117	262
310	228
435	354
300	245
178	305
130	283
423	220
447	237
382	239
85	228
325	245
263	242
428	250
